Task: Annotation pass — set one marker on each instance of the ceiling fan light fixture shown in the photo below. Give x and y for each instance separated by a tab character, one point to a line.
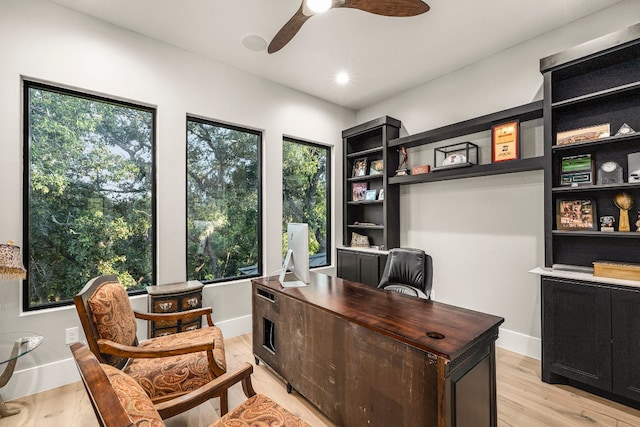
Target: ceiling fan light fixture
319	6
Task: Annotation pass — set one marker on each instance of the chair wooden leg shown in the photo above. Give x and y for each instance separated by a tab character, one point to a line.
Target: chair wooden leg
224	402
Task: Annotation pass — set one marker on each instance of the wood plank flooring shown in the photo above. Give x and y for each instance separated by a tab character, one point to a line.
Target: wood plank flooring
523	400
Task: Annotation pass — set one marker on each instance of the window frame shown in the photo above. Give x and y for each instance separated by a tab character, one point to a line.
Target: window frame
329	151
27	85
260	136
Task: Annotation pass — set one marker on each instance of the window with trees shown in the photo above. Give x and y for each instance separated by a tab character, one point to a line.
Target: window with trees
306	172
223	201
89	193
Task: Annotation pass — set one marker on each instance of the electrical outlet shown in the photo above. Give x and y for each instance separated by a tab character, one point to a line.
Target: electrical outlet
71	335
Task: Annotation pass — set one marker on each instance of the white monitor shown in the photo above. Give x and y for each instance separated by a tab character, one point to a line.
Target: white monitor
297	259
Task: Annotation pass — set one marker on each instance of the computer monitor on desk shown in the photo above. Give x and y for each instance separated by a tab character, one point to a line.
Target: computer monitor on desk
297	258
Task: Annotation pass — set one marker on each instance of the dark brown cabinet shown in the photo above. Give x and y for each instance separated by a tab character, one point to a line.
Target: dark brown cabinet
590	337
576	332
174	298
590	325
361	266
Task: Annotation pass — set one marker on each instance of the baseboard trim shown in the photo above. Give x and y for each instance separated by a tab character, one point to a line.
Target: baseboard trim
520	343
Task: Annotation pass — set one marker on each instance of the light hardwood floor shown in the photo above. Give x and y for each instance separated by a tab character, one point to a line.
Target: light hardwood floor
523	400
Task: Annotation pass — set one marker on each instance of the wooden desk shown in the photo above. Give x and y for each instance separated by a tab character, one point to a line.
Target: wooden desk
364	356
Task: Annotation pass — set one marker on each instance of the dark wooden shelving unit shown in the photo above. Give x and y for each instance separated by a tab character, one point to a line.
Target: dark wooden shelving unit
369	140
523	113
590	324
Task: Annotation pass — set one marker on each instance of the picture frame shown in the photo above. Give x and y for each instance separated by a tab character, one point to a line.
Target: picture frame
576	215
358	191
505	141
359	167
376	167
577	170
586	134
370	194
381	194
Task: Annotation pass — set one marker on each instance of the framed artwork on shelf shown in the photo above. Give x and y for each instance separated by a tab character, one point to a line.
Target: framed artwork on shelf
370	194
359	190
359	167
576	215
576	170
585	134
377	167
505	141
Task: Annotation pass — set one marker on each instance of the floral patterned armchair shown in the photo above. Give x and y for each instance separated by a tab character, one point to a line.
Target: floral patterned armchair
119	401
165	367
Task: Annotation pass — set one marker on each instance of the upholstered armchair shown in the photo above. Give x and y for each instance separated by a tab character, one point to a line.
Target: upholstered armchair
165	367
408	271
119	401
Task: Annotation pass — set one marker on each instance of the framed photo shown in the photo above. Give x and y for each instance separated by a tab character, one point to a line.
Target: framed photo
381	194
590	133
360	167
576	215
370	194
376	167
505	141
359	190
576	170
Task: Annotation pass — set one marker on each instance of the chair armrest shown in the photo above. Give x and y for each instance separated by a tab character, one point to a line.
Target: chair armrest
121	350
212	389
179	315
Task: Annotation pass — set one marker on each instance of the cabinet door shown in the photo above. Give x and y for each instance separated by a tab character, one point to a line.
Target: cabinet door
626	342
348	265
369	267
576	331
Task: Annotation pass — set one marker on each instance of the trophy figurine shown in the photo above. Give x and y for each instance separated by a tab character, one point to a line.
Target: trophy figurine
623	201
403	168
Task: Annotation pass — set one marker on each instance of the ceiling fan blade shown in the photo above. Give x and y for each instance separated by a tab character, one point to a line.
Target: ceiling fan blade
401	8
288	30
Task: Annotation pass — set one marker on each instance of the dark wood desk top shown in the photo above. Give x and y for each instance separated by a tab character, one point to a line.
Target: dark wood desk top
401	317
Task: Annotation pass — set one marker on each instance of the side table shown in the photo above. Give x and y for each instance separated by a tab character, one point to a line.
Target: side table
173	298
12	346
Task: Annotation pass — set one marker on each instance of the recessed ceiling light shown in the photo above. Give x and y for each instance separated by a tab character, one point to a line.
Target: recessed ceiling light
342	78
254	42
319	6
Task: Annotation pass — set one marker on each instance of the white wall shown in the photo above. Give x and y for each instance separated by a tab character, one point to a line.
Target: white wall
486	233
46	42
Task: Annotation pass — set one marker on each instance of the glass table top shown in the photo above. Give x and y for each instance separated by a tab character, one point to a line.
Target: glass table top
17	344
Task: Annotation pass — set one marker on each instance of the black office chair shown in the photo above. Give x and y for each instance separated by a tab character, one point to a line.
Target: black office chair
408	271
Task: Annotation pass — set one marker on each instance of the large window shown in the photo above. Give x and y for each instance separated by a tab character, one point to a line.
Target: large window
89	190
305	195
223	201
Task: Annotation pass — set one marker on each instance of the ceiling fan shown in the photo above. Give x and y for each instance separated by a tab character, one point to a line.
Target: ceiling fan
399	8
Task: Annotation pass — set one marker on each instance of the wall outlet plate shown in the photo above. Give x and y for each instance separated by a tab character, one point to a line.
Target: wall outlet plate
71	335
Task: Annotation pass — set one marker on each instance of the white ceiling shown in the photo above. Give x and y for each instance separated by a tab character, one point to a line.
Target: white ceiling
383	55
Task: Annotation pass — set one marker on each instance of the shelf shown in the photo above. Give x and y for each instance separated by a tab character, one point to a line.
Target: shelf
365	202
367	227
598	142
588	188
365	177
616	91
603	234
511	166
523	113
364	152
